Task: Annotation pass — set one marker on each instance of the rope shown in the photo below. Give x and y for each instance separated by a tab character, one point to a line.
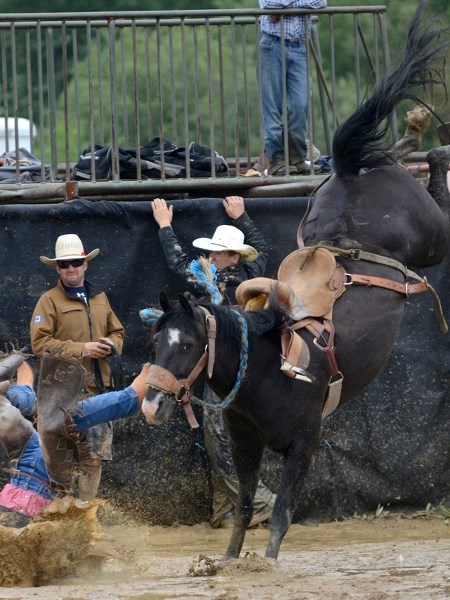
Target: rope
243	361
204	274
150	315
200	271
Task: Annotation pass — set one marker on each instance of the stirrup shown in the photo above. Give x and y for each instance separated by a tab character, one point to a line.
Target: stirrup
297	372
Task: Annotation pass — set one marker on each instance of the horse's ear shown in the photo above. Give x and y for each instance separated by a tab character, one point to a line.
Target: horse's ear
164	301
185	305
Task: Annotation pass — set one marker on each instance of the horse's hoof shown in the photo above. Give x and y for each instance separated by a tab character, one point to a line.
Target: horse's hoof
439	156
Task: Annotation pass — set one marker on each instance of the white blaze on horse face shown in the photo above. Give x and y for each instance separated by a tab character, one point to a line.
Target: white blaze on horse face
173	336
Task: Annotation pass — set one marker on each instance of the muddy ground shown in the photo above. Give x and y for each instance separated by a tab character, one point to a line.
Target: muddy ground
401	557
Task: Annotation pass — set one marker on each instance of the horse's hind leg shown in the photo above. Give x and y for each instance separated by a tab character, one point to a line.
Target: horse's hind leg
417	122
439	159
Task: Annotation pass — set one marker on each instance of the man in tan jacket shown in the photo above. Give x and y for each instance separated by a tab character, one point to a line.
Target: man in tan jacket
76	319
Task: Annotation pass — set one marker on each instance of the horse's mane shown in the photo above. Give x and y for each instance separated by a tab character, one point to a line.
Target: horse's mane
360	142
270	320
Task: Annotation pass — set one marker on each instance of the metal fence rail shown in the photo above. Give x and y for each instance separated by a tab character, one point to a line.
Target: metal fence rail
123	79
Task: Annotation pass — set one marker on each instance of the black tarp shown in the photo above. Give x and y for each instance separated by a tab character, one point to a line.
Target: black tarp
389	447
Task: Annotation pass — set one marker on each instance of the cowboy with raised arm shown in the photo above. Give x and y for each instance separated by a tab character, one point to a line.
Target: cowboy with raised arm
238	252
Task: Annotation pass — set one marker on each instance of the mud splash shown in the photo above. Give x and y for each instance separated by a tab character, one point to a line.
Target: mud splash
52	546
378	558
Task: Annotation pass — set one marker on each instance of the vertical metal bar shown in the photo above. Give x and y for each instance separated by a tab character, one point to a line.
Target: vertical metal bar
310	91
246	99
333	76
66	102
186	95
113	95
393	124
148	85
51	97
197	110
15	100
262	154
29	62
367	53
76	105
123	79
173	87
100	73
91	98
137	122
376	43
160	96
235	95
221	91
5	87
40	81
357	60
284	96
322	96
212	136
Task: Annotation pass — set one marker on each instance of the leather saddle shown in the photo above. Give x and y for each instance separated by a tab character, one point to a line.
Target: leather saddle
308	284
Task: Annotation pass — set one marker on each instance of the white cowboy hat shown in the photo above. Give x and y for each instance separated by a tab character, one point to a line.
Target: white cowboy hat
68	247
227	237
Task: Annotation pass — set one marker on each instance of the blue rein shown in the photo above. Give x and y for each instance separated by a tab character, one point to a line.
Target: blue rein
243	360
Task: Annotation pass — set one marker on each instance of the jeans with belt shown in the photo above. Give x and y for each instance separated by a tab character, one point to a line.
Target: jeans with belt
271	85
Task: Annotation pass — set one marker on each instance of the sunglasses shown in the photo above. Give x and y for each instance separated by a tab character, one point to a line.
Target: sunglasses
65	264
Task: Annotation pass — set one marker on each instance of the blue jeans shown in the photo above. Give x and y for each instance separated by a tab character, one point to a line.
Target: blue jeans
93	411
110	406
31	461
296	80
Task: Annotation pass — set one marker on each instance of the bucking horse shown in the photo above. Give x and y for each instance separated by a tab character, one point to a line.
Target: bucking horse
367	228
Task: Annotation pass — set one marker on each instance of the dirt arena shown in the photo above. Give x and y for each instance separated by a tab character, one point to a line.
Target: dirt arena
374	558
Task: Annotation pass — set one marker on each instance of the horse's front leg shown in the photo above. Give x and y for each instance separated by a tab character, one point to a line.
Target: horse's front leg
297	462
247	464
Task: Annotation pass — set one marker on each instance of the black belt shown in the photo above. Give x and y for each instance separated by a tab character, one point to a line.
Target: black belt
287	42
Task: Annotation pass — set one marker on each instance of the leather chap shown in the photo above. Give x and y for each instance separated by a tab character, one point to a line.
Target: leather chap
61	380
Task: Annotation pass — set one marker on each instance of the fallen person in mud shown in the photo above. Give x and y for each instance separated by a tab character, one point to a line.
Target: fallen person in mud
59	441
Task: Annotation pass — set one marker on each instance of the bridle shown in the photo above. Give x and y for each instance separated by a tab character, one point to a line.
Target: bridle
162	380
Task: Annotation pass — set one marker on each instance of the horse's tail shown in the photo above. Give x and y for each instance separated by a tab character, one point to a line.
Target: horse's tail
358	142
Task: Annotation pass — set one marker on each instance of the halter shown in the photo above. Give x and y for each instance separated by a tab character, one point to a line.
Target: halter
161	379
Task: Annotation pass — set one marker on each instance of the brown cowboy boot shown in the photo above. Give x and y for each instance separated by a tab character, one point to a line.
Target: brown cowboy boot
61	380
25	375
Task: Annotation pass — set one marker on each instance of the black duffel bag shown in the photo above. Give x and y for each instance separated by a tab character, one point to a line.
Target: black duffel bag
30	168
156	157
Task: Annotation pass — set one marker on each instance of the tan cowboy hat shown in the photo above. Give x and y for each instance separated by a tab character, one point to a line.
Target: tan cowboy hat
68	247
227	237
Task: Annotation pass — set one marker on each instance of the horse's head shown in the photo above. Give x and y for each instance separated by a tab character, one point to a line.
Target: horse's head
179	339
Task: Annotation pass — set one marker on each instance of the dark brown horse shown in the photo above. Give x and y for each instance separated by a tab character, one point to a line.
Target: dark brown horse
379	218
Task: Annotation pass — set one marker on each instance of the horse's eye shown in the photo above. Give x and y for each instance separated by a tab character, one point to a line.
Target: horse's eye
186	347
